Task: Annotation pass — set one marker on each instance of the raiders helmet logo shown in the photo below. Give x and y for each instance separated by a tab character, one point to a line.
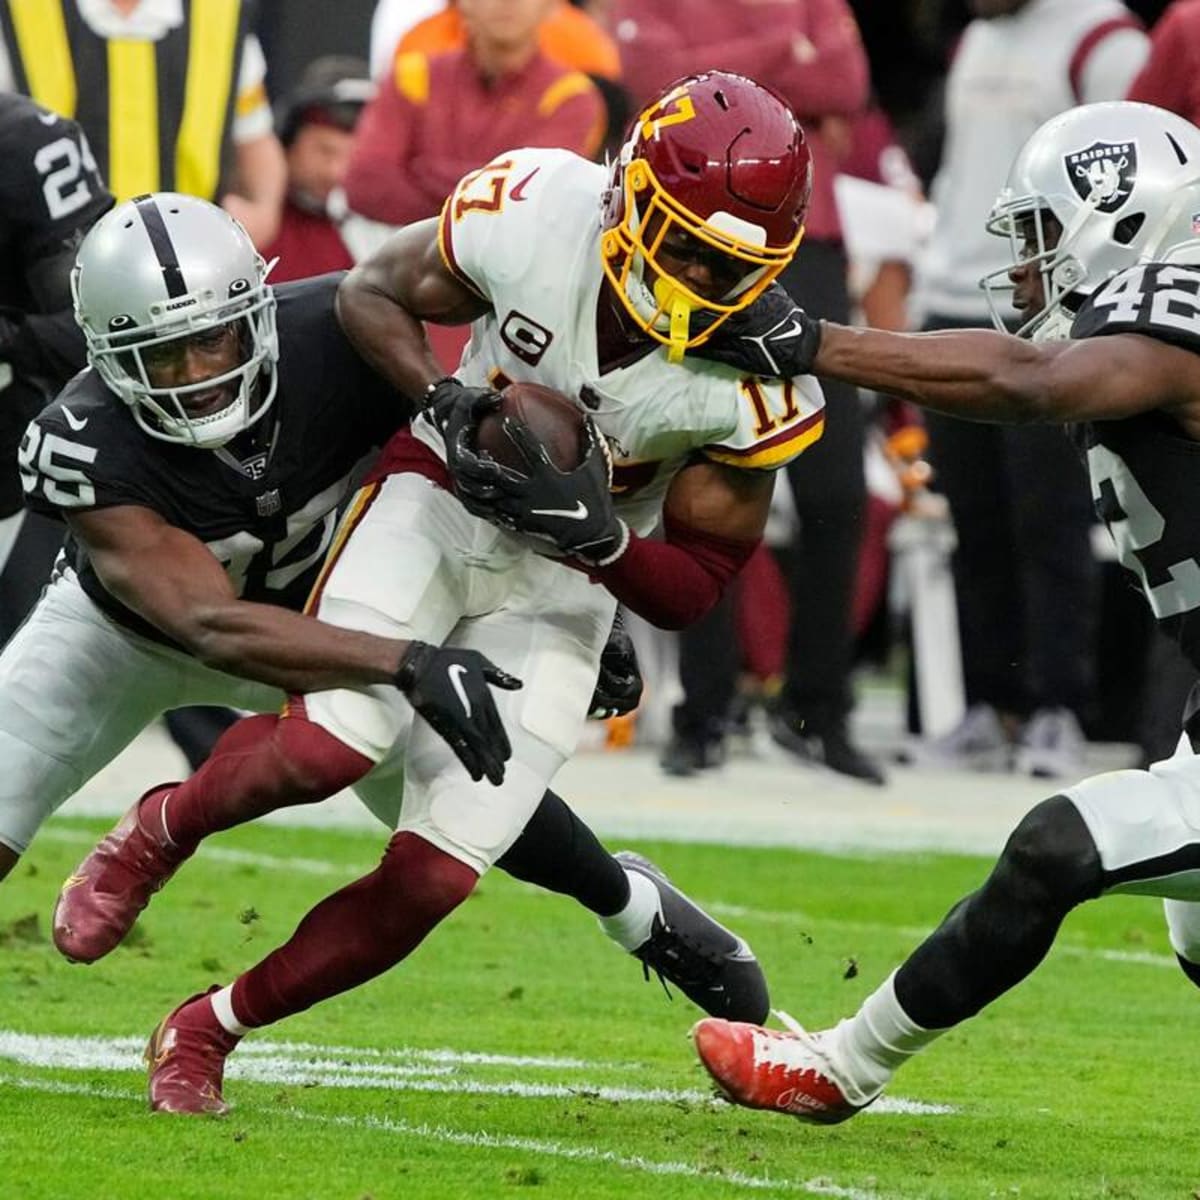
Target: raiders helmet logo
1105	170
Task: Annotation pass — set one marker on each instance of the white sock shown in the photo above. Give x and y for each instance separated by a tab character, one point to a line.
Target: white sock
874	1043
222	1003
631	926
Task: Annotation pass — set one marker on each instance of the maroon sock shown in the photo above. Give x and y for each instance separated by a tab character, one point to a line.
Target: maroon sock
356	933
258	765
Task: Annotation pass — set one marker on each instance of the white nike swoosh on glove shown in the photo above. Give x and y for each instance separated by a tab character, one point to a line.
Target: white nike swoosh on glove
795	331
456	671
578	513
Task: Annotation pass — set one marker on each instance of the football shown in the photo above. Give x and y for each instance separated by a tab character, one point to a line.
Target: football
553	418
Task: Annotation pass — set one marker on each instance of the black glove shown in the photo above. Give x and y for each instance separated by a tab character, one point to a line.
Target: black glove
619	683
571	509
773	337
449	688
457	411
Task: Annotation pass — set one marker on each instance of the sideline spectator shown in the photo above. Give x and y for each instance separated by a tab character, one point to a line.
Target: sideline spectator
567	36
315	123
1026	584
436	118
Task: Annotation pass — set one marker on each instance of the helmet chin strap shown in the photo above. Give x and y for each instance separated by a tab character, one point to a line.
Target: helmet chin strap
679	311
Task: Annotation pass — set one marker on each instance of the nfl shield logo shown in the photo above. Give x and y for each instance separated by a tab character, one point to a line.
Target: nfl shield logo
1103	173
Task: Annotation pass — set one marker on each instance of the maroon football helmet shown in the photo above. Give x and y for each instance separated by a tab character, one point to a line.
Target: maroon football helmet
722	159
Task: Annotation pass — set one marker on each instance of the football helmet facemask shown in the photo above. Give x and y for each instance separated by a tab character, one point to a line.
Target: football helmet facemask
164	267
716	169
1122	179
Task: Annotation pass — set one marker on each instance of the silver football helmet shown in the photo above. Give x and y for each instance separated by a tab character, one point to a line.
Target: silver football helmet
1122	180
164	267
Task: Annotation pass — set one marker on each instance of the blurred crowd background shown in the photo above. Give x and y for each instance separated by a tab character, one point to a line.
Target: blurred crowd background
962	559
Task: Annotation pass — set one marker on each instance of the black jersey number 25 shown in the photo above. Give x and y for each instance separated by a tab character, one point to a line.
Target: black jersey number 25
45	461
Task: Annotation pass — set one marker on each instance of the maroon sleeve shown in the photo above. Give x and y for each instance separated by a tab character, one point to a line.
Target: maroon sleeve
380	182
1170	77
673	583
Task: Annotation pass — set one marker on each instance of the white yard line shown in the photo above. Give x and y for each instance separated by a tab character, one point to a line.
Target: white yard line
301	1063
484	1140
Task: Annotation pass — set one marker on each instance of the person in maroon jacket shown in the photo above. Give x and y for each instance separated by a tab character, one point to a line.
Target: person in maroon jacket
438	117
315	122
1170	77
810	52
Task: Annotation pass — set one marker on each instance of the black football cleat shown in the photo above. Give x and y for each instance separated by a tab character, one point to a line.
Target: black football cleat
710	965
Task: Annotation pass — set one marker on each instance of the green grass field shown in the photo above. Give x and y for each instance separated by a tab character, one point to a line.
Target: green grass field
519	1053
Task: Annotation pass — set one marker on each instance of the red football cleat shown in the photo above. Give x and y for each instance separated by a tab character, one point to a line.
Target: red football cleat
98	905
185	1058
769	1068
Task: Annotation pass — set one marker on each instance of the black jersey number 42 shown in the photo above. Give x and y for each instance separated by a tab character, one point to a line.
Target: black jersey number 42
1156	296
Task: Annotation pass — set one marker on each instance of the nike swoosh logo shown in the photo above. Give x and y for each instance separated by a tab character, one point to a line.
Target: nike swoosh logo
794	331
76	423
578	513
741	952
517	194
456	671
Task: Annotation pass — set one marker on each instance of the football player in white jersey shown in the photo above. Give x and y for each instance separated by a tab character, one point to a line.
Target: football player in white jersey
594	282
1102	207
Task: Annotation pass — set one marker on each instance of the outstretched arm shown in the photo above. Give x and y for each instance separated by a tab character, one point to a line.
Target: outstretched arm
977	374
988	376
171	579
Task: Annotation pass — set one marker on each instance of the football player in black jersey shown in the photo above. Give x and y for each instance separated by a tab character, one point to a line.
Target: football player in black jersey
195	474
201	466
1103	209
50	194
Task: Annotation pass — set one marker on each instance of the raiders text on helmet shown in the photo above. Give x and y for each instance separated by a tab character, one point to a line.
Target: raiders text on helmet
166	266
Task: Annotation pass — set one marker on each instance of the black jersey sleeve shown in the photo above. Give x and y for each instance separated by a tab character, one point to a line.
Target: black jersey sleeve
318	362
1158	300
81	451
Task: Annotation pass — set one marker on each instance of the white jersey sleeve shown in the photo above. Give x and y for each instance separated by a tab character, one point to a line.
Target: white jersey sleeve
776	421
496	224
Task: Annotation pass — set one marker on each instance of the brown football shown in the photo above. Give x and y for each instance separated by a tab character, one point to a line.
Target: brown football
553	418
